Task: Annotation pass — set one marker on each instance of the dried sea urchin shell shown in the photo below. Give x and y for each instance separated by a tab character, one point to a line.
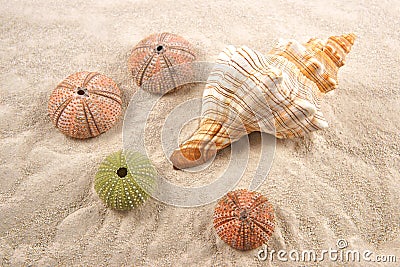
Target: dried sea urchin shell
124	180
158	53
244	219
85	104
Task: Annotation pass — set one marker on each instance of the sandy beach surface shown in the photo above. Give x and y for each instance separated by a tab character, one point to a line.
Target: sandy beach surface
339	183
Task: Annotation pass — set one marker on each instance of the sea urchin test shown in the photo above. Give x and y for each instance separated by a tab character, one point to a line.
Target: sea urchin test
161	52
244	219
85	104
124	180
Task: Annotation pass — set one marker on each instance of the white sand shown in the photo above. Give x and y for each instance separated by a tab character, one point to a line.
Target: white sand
342	182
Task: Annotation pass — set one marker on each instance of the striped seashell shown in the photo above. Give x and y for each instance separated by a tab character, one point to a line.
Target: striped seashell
279	93
159	52
124	180
244	219
85	104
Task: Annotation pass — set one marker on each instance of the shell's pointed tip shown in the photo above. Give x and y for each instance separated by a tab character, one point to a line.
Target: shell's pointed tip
350	37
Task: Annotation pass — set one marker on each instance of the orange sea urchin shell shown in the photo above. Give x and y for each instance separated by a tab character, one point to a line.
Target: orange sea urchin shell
85	104
244	219
159	52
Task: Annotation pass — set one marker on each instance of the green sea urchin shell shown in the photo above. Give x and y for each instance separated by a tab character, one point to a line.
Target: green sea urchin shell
124	180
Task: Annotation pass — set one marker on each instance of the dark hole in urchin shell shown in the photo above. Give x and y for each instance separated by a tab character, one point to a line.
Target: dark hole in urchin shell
122	172
160	49
80	91
243	215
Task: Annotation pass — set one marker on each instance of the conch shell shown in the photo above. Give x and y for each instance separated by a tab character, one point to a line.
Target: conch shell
279	93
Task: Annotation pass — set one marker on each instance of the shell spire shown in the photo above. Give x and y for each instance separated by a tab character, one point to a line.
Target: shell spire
278	93
318	60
